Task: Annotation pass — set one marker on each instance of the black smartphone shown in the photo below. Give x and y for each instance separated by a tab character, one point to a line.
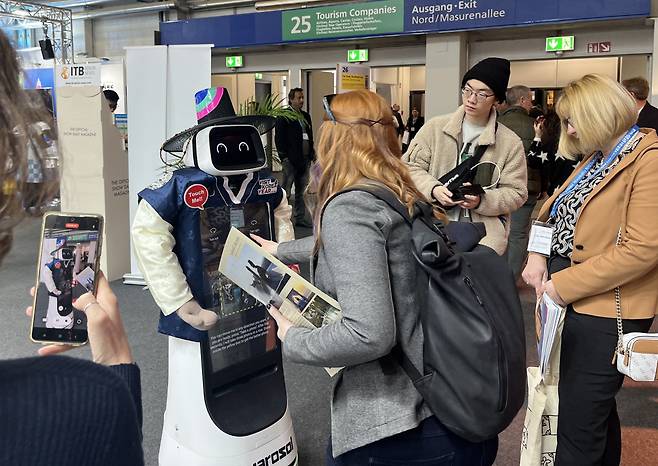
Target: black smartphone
69	255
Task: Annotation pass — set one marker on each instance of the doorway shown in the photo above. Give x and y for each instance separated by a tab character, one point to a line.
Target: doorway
318	84
417	101
402	85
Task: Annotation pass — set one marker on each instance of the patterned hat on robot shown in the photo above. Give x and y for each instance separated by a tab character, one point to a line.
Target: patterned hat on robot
214	108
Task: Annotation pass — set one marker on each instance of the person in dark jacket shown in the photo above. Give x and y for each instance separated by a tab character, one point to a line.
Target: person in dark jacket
517	119
543	155
648	114
414	123
60	411
294	144
395	108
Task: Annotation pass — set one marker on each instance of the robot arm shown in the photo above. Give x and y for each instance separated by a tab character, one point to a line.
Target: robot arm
282	223
153	243
47	278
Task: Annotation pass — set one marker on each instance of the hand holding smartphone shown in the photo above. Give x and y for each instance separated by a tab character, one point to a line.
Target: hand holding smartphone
69	256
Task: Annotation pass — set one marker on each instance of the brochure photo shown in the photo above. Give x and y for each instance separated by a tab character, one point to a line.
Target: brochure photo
269	280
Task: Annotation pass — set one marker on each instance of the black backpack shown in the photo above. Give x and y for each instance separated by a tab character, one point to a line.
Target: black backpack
474	373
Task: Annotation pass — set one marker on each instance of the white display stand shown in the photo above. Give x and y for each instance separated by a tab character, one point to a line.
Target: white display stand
161	82
112	77
94	169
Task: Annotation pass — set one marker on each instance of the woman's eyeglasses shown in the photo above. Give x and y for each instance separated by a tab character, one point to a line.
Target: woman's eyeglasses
480	96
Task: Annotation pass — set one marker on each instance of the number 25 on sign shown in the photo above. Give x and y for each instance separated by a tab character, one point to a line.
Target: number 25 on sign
301	24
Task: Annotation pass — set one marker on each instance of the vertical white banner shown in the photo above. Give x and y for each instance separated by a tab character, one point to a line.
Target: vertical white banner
112	78
161	82
95	169
188	71
146	85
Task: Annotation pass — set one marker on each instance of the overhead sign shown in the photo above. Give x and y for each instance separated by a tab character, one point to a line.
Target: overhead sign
78	75
599	47
352	20
357	55
390	17
560	43
351	77
234	61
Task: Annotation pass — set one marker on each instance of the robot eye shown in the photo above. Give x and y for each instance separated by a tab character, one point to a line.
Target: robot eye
246	146
221	147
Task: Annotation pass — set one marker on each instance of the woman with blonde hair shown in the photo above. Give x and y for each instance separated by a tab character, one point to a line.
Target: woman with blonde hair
605	235
364	259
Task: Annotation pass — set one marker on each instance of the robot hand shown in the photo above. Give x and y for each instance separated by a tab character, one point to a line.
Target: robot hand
196	316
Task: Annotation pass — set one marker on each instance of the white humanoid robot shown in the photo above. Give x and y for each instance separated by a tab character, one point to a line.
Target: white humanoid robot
226	398
57	275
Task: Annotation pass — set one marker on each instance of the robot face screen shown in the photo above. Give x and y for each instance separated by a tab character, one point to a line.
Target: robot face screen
67	253
230	150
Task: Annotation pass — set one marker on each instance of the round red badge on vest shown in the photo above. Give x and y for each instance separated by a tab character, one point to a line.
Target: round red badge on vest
196	196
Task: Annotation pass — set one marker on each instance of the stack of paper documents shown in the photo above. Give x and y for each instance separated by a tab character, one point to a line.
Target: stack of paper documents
550	317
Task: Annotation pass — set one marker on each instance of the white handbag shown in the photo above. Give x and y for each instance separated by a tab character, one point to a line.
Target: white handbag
637	352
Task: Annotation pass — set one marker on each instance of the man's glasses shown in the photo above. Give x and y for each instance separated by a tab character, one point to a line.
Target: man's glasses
480	96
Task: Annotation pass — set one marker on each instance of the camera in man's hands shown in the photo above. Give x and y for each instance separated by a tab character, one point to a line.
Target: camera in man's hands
459	193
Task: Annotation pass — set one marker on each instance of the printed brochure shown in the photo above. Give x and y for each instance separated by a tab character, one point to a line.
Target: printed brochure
268	279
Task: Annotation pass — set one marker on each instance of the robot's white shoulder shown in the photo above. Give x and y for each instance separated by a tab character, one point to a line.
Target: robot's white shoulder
160	182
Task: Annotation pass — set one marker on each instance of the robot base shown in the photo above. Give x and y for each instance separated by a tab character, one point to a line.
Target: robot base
191	438
280	451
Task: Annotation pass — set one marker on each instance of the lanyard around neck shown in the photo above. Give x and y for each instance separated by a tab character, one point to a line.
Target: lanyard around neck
584	174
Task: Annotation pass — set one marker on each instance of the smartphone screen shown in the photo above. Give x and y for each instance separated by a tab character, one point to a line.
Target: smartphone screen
68	261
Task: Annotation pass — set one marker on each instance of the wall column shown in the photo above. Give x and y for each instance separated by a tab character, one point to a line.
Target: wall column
445	64
295	78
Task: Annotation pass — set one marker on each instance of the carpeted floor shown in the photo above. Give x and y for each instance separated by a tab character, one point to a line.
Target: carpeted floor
308	388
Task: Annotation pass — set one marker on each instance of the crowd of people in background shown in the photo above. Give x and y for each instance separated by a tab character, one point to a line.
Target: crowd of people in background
526	155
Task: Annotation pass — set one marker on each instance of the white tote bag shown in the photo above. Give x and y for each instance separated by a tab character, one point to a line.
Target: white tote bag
539	437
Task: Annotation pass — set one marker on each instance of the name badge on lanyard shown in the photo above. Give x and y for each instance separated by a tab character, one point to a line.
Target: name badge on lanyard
541	238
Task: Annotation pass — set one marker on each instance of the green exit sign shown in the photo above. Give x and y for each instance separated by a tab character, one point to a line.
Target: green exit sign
234	62
258	75
357	55
560	43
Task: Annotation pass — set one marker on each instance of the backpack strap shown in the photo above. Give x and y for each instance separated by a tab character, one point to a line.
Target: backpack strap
396	357
380	192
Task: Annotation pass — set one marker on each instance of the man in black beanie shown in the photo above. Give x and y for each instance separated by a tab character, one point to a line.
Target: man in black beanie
447	141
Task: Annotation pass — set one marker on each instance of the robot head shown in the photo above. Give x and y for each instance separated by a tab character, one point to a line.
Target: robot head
64	253
226	150
222	143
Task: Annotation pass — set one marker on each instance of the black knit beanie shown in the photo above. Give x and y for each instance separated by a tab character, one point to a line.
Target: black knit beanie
494	72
